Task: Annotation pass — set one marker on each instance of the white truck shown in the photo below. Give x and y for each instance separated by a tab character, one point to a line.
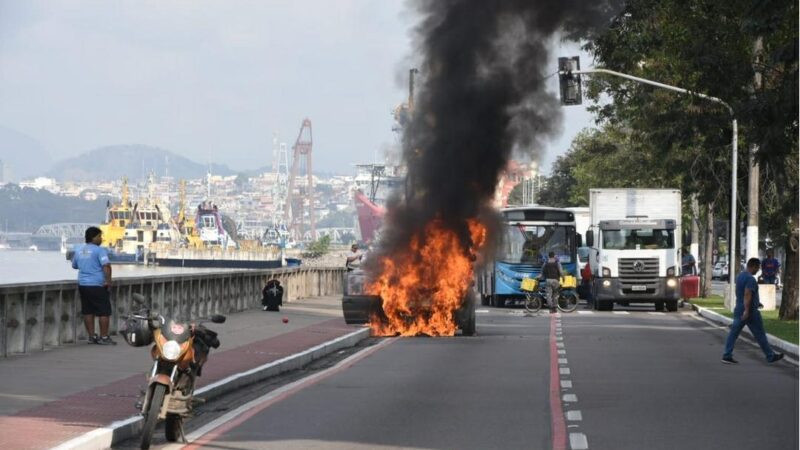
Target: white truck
635	241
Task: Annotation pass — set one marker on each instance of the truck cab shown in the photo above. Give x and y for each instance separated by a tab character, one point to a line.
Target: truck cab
635	261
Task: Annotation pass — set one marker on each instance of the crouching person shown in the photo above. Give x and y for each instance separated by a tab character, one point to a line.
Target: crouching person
272	295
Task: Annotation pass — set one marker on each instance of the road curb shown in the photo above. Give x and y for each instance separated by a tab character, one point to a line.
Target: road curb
105	437
787	347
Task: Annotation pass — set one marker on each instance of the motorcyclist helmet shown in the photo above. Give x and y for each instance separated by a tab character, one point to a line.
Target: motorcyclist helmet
137	332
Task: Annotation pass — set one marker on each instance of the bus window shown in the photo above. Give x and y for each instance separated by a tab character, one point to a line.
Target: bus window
531	244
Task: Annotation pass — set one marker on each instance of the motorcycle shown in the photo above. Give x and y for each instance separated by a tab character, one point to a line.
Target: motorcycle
179	351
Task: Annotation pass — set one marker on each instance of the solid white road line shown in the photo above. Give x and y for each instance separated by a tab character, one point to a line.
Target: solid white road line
281	391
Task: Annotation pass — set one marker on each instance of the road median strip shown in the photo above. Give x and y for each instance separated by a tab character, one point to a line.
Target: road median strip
121	430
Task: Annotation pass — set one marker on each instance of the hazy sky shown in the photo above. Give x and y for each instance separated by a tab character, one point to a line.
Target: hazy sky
212	80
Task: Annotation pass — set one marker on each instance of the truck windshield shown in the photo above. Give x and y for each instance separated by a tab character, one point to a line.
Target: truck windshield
638	239
530	244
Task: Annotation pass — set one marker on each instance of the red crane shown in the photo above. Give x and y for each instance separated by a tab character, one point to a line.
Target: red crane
295	205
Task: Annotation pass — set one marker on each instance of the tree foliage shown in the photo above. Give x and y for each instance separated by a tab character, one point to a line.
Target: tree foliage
650	137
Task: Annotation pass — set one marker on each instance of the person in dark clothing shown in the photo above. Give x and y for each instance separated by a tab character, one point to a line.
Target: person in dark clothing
551	273
272	295
746	313
770	267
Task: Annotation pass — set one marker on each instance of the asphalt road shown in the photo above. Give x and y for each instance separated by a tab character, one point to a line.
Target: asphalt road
628	379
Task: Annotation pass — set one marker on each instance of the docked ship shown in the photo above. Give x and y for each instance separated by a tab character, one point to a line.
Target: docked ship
209	240
373	185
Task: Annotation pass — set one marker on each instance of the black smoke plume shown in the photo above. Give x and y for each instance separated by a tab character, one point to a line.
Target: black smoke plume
484	67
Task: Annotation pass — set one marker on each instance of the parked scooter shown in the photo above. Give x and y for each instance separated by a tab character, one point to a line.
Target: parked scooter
179	351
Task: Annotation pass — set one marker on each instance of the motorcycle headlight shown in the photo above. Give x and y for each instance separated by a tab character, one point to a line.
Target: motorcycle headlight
171	350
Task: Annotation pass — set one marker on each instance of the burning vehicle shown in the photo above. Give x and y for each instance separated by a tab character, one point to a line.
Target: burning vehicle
360	308
423	288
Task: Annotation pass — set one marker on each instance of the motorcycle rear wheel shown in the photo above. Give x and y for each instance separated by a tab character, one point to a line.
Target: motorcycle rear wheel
173	428
156	401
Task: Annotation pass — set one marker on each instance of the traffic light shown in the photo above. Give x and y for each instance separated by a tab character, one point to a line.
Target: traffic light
569	82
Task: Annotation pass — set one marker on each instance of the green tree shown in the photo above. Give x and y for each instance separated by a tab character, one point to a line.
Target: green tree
318	248
707	46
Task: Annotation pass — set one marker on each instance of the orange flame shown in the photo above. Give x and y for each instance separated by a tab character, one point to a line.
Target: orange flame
423	286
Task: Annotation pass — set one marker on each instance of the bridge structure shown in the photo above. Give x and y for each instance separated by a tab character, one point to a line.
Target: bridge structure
338	235
71	231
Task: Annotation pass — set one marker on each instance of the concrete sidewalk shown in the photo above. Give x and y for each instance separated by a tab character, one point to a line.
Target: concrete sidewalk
51	397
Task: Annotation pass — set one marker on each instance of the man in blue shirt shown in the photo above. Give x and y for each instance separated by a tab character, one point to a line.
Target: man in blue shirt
94	283
746	313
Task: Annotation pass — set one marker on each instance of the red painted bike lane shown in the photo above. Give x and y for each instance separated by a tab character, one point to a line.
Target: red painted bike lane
69	417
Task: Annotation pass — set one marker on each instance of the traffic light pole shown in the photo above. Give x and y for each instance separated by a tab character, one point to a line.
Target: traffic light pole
733	260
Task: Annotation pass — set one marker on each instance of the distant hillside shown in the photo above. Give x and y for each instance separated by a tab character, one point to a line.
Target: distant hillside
26	209
134	161
22	155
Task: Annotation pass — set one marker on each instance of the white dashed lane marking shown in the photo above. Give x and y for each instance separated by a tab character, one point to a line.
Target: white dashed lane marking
621	312
585	312
563	370
570	398
566	384
574	416
577	441
562	360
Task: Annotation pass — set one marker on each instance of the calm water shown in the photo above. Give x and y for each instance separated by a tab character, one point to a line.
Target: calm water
20	266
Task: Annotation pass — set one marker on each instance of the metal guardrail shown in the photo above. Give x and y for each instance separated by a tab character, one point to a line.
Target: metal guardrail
39	316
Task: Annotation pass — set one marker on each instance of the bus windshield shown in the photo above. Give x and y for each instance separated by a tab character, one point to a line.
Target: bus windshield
641	238
530	244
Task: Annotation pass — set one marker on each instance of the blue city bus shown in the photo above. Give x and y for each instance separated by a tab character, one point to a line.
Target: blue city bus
529	234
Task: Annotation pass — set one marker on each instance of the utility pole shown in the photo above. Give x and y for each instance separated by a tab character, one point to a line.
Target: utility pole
753	180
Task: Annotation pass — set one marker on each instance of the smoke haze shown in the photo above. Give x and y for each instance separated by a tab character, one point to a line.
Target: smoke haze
483	66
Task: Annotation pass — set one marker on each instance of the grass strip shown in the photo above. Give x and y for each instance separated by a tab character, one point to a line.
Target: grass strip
783	329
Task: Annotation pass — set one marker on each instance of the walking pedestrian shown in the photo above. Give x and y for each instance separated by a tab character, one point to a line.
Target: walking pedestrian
552	273
746	313
94	283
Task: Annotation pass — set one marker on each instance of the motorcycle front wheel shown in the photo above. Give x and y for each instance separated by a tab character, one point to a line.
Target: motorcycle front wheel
156	400
568	302
532	302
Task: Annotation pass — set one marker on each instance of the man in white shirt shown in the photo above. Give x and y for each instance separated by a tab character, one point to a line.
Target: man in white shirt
354	258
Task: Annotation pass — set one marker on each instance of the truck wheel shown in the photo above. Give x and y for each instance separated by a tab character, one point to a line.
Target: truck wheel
672	305
660	305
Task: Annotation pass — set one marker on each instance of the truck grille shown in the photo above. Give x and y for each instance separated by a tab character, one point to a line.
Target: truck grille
638	272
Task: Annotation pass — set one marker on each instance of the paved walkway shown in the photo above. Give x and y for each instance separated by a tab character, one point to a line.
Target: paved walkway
50	397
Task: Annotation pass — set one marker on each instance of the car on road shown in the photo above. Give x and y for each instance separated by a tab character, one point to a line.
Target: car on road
720	271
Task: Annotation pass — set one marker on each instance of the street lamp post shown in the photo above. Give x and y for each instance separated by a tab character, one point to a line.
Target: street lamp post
733	260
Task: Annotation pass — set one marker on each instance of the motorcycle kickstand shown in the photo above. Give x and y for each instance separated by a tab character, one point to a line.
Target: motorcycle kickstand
182	434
